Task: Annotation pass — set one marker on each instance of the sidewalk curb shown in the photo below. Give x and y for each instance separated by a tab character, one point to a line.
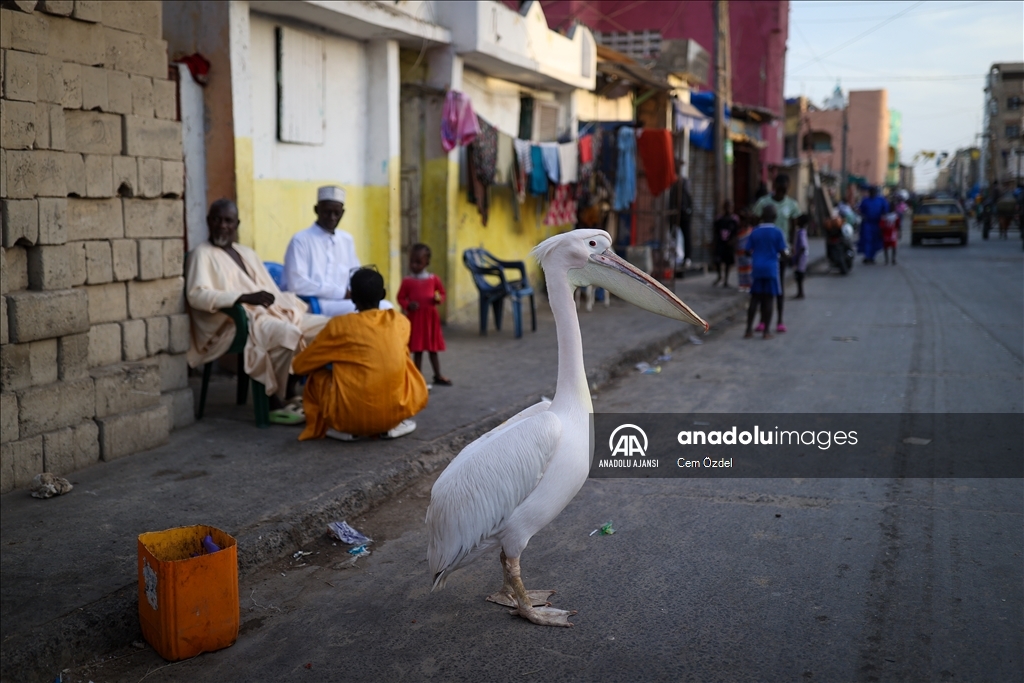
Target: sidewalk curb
111	622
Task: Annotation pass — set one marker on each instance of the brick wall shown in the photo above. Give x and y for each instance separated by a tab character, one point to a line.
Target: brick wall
93	323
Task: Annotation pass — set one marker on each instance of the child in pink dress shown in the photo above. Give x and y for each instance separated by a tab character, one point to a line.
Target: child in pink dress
419	297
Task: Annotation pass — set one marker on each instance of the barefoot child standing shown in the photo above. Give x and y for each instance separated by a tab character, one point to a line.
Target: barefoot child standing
419	297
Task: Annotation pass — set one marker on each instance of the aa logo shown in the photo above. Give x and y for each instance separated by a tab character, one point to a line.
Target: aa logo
626	441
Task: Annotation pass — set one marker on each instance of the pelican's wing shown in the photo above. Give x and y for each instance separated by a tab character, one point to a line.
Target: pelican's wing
483	485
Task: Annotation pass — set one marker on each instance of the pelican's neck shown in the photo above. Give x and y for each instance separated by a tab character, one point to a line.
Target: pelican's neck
572	389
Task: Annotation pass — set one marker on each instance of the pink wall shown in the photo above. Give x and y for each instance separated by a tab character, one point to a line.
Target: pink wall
869	135
758	32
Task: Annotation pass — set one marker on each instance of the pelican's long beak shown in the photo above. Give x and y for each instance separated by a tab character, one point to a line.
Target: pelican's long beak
628	282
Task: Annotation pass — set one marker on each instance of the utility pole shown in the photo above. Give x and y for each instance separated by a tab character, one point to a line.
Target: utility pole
723	96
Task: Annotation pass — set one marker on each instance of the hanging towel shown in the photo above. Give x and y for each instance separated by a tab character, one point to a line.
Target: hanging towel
586	149
483	157
504	162
655	149
458	122
568	162
538	179
563	207
522	148
550	152
625	174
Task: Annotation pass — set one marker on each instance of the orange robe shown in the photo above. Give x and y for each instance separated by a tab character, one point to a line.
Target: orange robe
372	384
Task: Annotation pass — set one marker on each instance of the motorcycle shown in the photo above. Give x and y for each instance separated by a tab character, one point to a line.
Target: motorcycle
839	244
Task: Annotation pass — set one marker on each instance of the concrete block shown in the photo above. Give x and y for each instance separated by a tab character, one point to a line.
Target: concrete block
150	177
50	80
50	131
71	97
180	406
92	132
129	433
174	257
3	274
152	138
173	178
5	29
126	175
18	125
106	303
41	123
27	6
28	365
99	176
94	88
59	7
99	265
173	371
180	333
119	93
55	406
8	417
151	259
133	339
125	259
4	334
29	32
124	387
76	261
58	131
74	174
3	160
136	17
157	297
53	220
73	356
156	336
75	41
45	315
35	173
21	79
135	54
19	462
20	222
17	268
49	268
165	99
154	218
95	219
142	96
104	344
88	10
71	448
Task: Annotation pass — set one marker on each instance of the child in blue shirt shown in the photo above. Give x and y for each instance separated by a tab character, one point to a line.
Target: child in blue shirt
765	244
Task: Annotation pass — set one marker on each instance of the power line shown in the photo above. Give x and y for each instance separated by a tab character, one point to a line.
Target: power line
960	77
807	43
863	34
845	20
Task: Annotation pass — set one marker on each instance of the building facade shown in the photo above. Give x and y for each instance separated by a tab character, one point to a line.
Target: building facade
1004	123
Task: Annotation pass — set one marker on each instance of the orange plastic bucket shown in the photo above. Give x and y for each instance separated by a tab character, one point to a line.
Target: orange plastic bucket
188	605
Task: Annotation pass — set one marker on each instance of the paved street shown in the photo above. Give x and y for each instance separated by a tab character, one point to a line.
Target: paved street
772	579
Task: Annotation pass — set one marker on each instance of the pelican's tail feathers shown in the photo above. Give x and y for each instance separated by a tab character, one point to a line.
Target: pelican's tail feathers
439	580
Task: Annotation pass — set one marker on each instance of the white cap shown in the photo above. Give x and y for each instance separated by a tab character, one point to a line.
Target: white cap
330	193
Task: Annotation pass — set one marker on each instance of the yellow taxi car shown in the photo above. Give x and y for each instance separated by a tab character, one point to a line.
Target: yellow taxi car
938	219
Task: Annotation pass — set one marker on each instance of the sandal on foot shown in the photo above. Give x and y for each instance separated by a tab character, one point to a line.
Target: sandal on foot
780	328
286	416
442	381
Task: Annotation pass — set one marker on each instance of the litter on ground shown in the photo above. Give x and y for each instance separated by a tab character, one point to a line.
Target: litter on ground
346	534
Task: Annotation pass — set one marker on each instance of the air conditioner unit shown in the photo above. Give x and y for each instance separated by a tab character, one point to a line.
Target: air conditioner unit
545	121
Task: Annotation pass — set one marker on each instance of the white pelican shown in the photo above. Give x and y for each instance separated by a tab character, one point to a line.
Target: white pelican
511	482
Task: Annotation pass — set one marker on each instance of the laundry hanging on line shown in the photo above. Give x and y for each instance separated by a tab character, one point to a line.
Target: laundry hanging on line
458	121
655	150
625	174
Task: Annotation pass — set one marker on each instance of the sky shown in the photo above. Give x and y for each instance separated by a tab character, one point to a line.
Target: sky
931	56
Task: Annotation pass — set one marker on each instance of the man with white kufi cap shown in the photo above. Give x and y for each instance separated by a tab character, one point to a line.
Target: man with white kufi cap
321	258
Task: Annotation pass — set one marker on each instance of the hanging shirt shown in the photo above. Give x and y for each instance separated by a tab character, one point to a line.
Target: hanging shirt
549	152
319	264
625	174
458	122
568	163
538	177
655	149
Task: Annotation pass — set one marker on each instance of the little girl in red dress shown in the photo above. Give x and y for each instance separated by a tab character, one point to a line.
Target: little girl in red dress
419	297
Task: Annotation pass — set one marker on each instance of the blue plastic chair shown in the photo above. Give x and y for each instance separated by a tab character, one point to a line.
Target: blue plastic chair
276	271
483	265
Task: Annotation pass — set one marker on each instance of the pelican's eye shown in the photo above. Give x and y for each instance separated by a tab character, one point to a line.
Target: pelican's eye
593	243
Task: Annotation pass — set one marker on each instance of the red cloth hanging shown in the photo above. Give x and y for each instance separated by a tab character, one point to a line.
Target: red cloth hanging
586	149
655	150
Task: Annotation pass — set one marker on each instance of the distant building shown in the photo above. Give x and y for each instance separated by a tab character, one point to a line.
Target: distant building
964	176
1003	145
869	148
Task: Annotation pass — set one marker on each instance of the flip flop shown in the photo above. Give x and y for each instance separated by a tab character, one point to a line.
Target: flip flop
442	381
287	417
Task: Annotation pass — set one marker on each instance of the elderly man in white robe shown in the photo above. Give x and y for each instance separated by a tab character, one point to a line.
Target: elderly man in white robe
220	274
321	259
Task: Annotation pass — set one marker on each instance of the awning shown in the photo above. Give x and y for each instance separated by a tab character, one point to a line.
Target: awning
688	117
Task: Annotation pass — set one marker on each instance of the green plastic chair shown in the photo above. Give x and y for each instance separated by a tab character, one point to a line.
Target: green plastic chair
260	400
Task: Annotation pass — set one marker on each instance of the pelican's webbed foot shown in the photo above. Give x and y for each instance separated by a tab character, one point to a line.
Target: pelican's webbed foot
526	605
506	595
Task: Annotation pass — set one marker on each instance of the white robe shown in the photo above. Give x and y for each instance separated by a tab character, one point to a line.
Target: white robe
214	282
318	263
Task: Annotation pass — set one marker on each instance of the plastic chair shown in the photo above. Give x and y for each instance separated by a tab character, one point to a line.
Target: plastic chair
276	271
260	400
483	265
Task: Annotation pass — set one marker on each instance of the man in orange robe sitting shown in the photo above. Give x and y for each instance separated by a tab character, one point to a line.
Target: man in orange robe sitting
361	381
